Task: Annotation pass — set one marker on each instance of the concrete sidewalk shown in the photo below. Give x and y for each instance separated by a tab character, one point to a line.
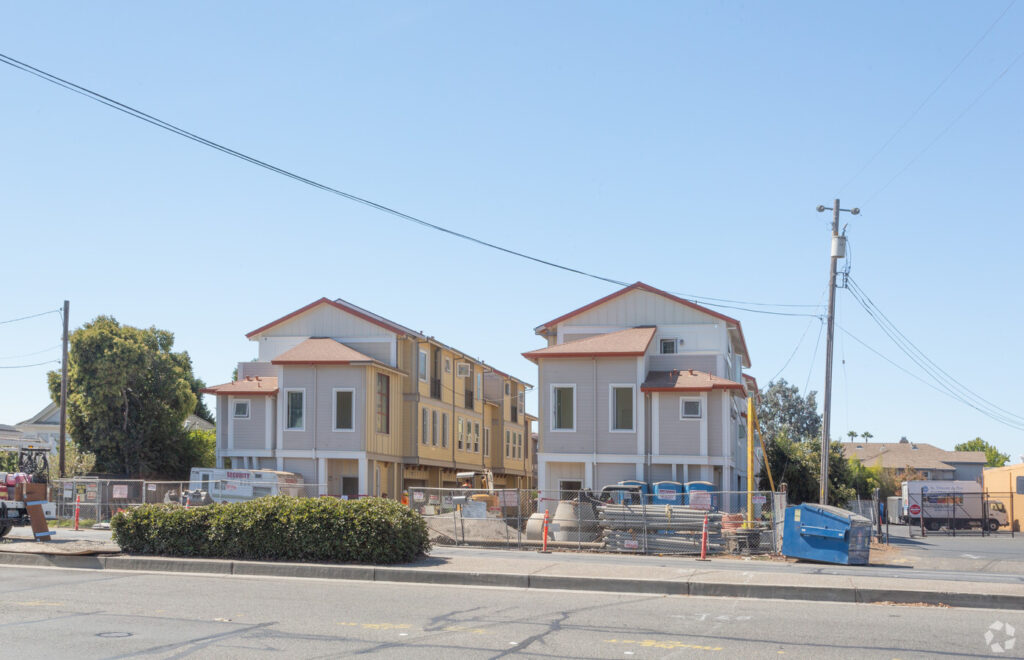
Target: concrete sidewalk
531	570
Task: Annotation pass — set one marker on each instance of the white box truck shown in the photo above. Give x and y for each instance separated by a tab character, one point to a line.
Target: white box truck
954	504
226	485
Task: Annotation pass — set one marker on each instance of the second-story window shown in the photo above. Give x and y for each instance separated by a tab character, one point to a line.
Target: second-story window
444	429
476	438
689	408
669	346
458	425
563	407
487	441
424	437
424	370
343	410
433	439
383	403
508	444
296	400
241	410
622	407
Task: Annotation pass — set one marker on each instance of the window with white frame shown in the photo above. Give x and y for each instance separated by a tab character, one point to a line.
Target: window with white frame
476	437
669	346
563	407
621	400
296	412
458	425
424	367
241	409
344	409
689	408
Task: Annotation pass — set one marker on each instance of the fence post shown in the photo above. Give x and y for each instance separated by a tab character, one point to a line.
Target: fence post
579	521
519	518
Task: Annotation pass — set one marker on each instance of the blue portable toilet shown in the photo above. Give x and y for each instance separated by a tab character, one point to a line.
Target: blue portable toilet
668	492
826	533
701	500
642	484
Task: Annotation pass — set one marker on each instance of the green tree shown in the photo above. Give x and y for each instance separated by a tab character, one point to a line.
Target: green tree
197	385
200	449
77	463
867	435
783	411
995	457
128	397
852	435
798	465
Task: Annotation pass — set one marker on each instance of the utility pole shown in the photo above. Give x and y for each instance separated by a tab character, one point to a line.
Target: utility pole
838	252
64	389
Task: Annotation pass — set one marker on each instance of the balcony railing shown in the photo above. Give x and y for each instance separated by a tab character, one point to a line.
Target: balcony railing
435	388
468	403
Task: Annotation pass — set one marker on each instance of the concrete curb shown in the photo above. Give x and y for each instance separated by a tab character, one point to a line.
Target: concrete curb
680	587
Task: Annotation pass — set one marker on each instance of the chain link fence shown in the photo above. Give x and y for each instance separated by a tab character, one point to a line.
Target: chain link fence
617	521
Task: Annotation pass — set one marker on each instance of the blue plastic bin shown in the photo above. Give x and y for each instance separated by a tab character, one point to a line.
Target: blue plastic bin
826	533
668	492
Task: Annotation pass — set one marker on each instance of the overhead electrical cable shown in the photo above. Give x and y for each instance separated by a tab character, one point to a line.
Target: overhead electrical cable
928	98
25	366
159	123
945	130
31	316
45	350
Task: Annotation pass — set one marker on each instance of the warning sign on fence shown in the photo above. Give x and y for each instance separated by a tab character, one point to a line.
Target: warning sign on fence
120	492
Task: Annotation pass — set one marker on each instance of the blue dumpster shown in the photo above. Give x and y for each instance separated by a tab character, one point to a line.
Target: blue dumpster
668	492
698	494
826	533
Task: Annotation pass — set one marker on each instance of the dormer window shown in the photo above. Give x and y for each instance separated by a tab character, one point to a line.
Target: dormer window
669	346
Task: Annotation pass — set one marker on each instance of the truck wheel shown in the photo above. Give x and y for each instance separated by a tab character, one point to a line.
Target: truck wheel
932	525
4	530
993	525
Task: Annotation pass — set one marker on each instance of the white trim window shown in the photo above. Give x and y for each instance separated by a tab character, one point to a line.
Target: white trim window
461	434
690	409
668	346
344	409
424	366
476	437
622	408
240	409
563	407
295	409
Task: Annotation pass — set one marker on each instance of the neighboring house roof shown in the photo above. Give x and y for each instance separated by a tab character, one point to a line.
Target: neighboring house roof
48	415
249	385
629	342
650	289
322	350
195	422
686	381
918	455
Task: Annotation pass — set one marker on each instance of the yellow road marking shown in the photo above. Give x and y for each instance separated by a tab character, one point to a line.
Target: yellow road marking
652	643
36	603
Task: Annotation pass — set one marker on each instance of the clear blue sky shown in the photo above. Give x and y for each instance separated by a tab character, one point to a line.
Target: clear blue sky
682	144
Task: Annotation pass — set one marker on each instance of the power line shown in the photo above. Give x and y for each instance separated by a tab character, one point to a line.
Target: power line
31	316
11	357
949	384
814	356
37	364
928	98
947	128
159	123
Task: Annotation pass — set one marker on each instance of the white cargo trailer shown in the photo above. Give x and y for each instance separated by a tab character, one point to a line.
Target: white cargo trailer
954	504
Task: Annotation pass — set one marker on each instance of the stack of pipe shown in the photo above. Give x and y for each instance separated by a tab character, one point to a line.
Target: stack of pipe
658	529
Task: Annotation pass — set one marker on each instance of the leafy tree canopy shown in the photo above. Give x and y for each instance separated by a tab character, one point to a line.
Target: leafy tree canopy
128	397
782	411
995	457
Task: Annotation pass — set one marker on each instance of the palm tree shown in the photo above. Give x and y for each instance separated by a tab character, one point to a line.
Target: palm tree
852	434
867	436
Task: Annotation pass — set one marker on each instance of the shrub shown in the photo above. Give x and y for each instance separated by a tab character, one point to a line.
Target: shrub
371	531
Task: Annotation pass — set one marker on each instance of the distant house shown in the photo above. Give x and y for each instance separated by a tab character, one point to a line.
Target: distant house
929	460
197	423
44	425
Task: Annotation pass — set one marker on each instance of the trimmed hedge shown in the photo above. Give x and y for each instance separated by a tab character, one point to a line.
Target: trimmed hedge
370	531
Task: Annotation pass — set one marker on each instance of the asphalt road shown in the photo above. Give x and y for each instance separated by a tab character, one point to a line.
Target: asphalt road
85	614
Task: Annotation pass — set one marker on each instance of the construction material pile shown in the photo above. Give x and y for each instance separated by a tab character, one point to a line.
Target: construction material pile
658	529
454	529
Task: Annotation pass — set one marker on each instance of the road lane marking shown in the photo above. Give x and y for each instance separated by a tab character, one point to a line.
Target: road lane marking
653	643
375	626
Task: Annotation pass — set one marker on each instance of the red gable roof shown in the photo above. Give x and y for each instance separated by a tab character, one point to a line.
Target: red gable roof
247	386
336	305
650	289
321	350
624	343
686	381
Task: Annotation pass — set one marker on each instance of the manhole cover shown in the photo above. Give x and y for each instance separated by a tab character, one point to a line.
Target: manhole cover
114	634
